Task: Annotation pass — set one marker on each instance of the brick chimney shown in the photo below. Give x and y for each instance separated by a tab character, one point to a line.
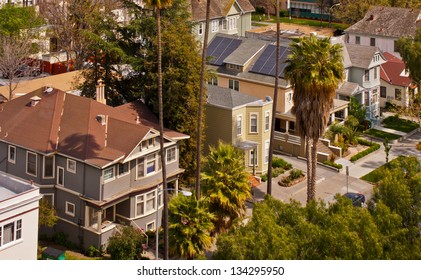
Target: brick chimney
100	92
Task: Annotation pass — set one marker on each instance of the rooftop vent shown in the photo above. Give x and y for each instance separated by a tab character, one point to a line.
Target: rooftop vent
48	90
35	100
101	119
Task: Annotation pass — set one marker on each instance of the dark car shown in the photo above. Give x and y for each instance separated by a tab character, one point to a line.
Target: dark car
357	199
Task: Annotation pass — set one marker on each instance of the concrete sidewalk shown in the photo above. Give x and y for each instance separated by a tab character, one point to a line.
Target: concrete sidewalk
400	133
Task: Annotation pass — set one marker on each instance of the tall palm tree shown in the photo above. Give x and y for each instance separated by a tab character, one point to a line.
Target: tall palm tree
225	182
314	69
190	226
158	5
201	91
275	99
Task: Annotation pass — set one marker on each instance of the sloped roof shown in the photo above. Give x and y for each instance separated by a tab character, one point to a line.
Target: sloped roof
391	71
348	88
361	56
218	8
70	125
388	21
245	52
228	98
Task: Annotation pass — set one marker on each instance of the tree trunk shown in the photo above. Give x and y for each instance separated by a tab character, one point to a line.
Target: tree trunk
275	100
309	162
313	169
201	91
161	136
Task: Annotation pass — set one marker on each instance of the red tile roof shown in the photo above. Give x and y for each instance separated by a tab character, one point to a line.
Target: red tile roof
69	125
391	71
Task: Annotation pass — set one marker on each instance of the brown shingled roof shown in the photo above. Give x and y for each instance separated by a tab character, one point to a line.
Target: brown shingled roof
70	125
388	21
218	8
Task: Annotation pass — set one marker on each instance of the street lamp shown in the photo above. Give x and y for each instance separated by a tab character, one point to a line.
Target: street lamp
185	193
330	12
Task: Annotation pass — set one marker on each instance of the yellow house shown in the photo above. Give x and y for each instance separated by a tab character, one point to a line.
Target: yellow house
241	120
247	65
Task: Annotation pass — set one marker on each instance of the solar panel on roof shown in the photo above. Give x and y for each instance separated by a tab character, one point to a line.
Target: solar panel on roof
220	48
266	63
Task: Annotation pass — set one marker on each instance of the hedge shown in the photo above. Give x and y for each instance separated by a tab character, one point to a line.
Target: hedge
373	147
333	164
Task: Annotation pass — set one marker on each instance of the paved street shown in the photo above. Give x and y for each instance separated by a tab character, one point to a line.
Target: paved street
330	182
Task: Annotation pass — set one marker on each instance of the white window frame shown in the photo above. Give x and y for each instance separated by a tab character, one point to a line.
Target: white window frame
215	25
109	179
66	209
225	24
9	159
367	75
70	169
36	163
149	159
267	121
167	154
15	224
252	156
143	199
43	167
124	173
138	161
58	175
239	121
150	226
266	154
234	85
252	117
200	28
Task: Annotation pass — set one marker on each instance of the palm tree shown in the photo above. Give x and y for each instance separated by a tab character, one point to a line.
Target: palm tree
158	5
201	90
225	183
314	69
190	226
275	100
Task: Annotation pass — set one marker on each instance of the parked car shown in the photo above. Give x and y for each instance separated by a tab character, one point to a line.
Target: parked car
357	199
25	70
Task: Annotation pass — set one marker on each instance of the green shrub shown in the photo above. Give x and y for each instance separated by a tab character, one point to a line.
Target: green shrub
264	177
333	164
281	163
277	171
295	174
361	154
92	251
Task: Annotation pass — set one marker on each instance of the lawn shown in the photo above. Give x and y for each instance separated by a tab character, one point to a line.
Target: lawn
300	21
396	123
381	134
377	174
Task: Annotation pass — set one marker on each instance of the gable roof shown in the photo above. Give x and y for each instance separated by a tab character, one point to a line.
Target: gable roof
388	21
391	71
74	126
218	8
229	98
361	56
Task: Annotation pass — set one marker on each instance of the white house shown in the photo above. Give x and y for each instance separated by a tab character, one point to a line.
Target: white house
396	86
383	26
19	202
226	16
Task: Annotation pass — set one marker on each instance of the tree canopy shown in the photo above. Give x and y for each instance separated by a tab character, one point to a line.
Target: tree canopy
388	229
410	50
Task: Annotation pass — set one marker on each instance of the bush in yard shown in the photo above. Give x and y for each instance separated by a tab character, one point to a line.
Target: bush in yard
295	174
333	164
280	162
373	147
125	244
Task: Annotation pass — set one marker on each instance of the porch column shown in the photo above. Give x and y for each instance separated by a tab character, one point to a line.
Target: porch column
176	185
99	221
332	117
346	113
286	126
